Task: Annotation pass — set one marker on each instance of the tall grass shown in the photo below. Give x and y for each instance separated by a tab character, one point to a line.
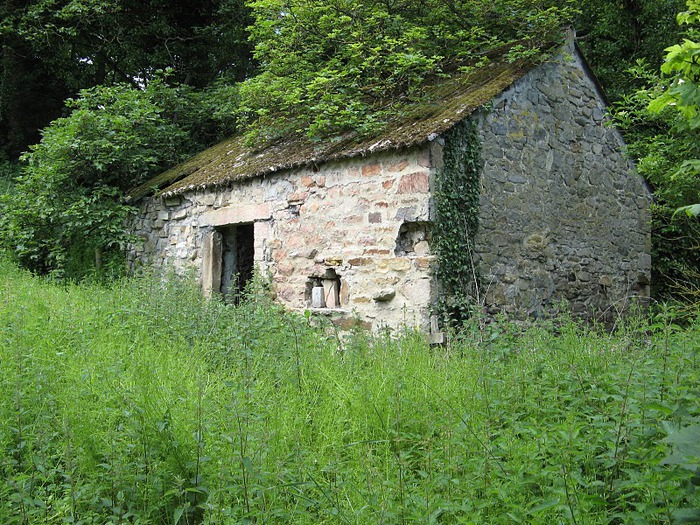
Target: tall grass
141	403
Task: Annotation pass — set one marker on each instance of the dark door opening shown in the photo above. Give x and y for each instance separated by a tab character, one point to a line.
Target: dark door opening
237	263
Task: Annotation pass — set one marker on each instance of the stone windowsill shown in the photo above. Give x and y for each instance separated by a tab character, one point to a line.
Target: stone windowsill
329	311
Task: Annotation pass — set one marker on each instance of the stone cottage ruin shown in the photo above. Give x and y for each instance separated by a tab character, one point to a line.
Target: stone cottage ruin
344	227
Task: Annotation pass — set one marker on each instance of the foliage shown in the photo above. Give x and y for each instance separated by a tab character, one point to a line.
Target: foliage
54	48
616	36
331	66
662	140
682	66
8	171
67	202
457	212
685	443
142	403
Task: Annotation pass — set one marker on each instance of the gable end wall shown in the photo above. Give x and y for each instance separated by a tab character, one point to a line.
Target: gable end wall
564	216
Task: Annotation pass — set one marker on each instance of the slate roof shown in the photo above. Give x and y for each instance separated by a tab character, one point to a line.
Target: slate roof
446	102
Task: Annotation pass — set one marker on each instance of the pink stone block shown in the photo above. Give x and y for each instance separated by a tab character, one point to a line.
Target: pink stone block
417	182
307	181
370	170
297	198
398	166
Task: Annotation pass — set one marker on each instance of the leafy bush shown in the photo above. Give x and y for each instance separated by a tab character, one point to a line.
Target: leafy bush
68	200
662	129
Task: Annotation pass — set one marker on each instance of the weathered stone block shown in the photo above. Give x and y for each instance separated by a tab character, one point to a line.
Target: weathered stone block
374	217
397	166
395	264
384	295
371	169
360	261
418	182
179	214
237	214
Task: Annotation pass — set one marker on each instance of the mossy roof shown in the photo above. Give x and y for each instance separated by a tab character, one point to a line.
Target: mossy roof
446	102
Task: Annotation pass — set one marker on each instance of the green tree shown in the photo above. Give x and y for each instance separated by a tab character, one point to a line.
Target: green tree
615	36
662	127
51	49
330	66
682	68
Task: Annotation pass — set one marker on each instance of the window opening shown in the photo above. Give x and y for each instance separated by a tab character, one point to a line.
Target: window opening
237	259
324	291
412	239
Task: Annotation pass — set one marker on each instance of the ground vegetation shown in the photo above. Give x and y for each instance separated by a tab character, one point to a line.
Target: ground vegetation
142	403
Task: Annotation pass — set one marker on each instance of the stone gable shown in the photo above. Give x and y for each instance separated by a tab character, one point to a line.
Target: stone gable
564	216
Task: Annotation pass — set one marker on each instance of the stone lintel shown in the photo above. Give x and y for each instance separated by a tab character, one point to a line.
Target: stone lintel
237	214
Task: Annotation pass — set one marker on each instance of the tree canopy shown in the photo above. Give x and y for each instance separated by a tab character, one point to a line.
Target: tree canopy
67	202
661	123
51	49
328	66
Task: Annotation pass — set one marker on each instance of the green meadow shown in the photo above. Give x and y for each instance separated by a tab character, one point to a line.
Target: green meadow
140	402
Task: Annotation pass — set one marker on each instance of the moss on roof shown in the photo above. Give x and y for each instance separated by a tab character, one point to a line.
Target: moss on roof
446	102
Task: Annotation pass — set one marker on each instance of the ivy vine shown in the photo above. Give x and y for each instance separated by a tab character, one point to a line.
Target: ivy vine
457	195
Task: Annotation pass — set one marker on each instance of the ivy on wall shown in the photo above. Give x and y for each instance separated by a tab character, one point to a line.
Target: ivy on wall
457	195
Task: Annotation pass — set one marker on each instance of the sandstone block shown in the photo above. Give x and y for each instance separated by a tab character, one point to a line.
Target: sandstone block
396	264
360	261
371	170
398	166
417	182
297	198
236	214
423	158
179	214
384	295
422	263
377	251
171	202
344	292
207	199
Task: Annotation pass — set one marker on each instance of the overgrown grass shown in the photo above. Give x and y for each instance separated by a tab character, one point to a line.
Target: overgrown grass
141	403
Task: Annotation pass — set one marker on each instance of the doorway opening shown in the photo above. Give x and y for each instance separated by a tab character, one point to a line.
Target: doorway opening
237	259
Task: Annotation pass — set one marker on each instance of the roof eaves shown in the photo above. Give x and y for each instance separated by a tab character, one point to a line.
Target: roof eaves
447	102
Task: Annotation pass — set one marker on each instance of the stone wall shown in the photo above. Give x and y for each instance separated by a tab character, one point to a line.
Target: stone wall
365	221
564	216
